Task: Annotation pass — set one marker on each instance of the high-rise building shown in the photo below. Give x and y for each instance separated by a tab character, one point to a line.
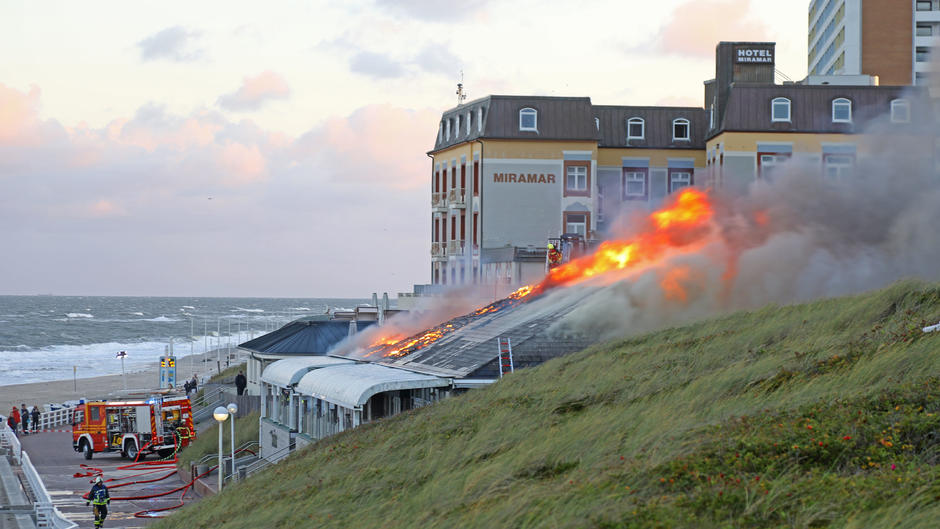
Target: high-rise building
891	39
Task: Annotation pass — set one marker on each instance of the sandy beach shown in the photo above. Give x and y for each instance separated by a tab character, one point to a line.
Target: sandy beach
58	391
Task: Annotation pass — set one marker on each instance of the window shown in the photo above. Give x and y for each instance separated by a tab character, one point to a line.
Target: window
679	178
440	132
924	30
634	183
636	129
711	117
841	110
769	164
528	120
900	111
680	129
480	119
576	178
597	123
923	5
920	54
576	223
457	127
838	167
780	109
469	119
447	130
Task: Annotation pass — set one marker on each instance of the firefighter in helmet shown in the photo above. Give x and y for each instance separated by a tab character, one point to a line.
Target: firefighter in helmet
554	256
100	499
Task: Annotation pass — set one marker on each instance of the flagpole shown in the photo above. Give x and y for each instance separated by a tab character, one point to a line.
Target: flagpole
124	376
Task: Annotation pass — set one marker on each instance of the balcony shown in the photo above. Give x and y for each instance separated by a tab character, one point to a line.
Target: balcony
438	251
455	248
438	201
457	198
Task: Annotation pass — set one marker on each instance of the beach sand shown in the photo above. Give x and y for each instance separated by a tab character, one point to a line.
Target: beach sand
59	391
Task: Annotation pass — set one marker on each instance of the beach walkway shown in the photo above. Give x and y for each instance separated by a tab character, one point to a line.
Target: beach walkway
56	462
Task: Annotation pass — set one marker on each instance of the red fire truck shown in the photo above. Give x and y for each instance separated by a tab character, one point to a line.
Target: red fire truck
160	424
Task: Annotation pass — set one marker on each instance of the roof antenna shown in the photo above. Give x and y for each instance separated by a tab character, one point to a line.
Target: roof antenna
461	95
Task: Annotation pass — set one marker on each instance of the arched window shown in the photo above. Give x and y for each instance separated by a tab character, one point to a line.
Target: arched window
636	129
900	111
680	129
780	109
841	110
529	120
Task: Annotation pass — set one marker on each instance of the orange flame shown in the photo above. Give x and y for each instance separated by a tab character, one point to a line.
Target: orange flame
682	224
679	225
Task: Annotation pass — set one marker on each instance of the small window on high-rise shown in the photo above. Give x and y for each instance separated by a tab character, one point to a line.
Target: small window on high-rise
923	5
921	54
924	30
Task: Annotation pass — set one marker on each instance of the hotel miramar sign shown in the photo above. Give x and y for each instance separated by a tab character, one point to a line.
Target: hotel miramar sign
753	54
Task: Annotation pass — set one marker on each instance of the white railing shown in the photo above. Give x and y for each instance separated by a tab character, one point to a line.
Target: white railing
48	419
47	516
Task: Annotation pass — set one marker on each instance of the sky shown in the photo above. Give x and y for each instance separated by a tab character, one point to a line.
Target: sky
228	149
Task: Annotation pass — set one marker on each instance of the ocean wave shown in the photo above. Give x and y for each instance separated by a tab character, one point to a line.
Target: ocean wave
136	313
239	309
78	315
301	308
189	307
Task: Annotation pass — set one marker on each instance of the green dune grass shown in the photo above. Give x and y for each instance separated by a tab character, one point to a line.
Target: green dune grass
825	414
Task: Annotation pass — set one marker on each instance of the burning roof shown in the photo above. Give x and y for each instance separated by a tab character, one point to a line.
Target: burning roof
464	344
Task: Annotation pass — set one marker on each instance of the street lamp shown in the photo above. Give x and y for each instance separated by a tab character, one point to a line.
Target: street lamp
232	409
220	414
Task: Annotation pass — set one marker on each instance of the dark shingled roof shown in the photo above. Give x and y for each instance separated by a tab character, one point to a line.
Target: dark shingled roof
749	107
471	352
302	338
559	118
658	126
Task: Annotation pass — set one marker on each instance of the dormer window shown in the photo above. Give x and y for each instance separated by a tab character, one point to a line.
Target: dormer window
440	131
900	111
469	119
597	123
841	110
528	120
480	119
780	109
680	129
636	129
447	130
457	127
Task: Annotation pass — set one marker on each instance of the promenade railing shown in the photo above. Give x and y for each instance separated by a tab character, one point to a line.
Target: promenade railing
46	514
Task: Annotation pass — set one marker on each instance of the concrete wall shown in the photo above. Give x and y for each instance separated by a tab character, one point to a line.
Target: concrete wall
521	201
274	439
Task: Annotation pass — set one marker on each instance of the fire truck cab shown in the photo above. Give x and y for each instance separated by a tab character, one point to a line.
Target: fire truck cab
160	424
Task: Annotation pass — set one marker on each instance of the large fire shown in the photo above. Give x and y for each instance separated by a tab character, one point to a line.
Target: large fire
685	223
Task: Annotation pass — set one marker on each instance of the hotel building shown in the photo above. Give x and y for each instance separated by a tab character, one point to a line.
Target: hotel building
890	39
508	173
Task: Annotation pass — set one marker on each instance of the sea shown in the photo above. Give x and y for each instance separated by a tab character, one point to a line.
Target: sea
45	338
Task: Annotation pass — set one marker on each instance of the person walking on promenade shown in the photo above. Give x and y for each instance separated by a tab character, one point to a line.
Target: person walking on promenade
11	422
99	498
24	416
240	382
34	418
194	383
15	417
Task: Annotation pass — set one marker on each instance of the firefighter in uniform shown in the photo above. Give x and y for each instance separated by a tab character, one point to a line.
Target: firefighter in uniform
100	499
554	256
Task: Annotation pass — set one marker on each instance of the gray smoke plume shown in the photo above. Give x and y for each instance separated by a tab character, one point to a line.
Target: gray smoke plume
797	238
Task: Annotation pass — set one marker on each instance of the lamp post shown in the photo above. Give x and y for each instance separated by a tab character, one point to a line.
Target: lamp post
232	410
220	414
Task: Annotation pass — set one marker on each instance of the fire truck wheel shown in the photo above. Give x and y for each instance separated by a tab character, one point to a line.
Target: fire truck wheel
86	449
130	449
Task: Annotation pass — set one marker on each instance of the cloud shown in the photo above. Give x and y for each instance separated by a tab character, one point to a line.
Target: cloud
174	43
697	26
436	58
432	10
376	65
678	101
317	209
255	91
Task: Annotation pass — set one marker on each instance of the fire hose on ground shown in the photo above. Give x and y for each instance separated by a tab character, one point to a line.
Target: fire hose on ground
155	466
